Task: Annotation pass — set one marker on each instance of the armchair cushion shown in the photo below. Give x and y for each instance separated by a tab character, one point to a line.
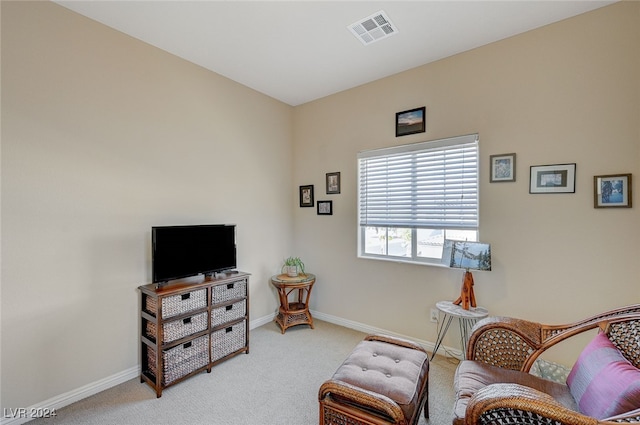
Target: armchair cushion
603	382
472	376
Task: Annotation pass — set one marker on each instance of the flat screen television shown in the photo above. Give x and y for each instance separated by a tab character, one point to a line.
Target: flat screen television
183	251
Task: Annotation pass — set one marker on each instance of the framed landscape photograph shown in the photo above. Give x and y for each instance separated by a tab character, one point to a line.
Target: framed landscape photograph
558	178
325	207
333	183
612	191
503	168
410	122
306	196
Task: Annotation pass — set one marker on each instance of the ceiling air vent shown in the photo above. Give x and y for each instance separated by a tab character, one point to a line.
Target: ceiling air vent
373	28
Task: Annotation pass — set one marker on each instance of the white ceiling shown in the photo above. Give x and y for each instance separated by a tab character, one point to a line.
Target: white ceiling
299	51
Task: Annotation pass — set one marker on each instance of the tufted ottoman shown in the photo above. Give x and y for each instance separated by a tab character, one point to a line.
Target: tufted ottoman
383	381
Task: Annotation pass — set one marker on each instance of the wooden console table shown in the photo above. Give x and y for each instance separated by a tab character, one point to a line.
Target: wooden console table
296	312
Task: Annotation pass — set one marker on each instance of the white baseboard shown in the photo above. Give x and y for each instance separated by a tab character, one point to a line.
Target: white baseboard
255	323
23	415
428	345
20	416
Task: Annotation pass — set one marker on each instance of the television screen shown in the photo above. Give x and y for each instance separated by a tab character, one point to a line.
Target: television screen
182	251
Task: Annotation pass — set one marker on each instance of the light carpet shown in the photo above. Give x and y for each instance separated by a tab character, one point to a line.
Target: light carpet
275	384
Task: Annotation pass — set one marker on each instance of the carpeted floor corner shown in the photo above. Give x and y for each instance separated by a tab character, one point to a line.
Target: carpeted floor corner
276	383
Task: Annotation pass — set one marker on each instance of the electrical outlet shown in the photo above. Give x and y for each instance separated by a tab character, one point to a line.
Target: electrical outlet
434	315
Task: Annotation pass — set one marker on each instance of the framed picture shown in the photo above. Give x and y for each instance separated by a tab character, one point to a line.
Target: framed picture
612	191
333	183
306	196
325	207
559	178
410	122
503	168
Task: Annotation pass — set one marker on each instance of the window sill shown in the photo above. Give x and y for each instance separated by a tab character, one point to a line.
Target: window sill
402	260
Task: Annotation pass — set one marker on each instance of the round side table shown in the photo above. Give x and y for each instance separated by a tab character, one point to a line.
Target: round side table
466	320
295	312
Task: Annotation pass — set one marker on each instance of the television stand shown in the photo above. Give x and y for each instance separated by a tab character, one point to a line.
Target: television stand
189	325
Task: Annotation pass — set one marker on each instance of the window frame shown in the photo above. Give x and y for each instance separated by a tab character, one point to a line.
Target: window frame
449	230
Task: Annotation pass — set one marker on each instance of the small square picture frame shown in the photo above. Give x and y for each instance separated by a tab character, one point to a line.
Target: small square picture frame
612	191
333	183
503	168
411	121
325	207
556	178
306	196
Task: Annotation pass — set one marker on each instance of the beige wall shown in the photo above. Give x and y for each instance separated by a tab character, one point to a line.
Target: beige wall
565	93
103	137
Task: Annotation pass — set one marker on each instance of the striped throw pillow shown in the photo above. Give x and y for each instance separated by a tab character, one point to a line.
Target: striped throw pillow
603	382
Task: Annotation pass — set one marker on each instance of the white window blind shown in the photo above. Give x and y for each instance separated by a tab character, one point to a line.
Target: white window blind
431	185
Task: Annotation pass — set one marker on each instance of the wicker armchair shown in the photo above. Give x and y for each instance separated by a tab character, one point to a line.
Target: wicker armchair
502	350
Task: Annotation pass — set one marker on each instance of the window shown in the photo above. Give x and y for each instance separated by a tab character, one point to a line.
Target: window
413	197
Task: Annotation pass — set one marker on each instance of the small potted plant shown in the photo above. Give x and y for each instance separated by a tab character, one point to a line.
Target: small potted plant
293	266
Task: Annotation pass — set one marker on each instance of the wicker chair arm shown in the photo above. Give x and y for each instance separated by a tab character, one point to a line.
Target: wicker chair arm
362	399
395	341
512	403
515	343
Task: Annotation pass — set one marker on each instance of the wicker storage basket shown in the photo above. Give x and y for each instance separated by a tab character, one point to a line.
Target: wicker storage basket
178	304
231	291
177	329
228	340
181	360
228	313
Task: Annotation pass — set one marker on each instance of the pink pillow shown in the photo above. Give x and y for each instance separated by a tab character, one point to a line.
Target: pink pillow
603	382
